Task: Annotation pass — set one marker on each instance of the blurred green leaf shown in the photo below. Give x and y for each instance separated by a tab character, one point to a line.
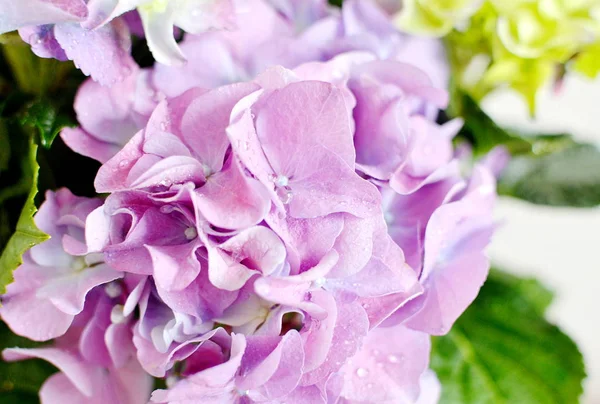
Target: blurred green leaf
4	146
20	382
502	350
27	234
34	75
570	177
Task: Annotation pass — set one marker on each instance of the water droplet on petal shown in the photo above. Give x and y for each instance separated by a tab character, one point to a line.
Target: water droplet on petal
319	282
163	126
285	194
35	39
123	163
393	359
362	373
282	181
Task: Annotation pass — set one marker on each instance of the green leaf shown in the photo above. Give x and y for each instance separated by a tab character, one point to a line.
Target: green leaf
484	134
570	177
502	350
480	130
27	234
4	146
20	382
46	118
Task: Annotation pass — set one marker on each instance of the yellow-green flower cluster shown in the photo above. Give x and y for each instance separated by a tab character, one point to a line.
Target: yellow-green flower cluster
516	43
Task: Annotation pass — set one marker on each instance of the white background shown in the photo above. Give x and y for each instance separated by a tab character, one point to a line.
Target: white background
559	246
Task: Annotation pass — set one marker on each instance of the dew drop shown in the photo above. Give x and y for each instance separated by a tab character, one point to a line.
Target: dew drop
319	283
35	39
163	126
362	373
393	359
285	194
282	181
123	163
246	146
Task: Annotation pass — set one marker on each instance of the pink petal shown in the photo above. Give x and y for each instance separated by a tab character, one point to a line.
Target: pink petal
102	53
384	372
78	372
176	266
232	200
39	12
68	292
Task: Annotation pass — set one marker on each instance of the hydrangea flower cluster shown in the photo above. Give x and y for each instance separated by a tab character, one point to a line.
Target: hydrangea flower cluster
285	222
521	44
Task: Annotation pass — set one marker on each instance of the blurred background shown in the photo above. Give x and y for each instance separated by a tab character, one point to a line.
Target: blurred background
559	246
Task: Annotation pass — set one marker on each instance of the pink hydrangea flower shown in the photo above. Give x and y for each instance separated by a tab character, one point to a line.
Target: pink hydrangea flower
96	358
51	286
292	232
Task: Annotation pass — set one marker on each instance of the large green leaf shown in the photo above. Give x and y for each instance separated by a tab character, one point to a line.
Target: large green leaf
27	234
502	350
570	177
20	382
